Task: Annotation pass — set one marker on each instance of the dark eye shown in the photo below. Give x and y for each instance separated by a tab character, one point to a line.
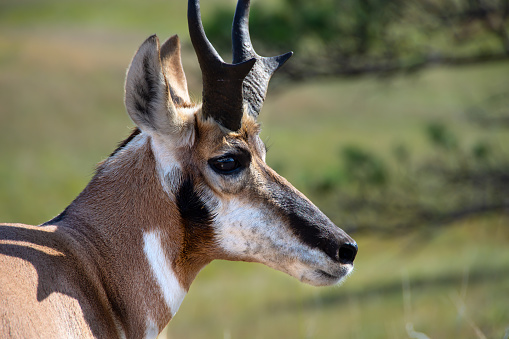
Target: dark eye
225	165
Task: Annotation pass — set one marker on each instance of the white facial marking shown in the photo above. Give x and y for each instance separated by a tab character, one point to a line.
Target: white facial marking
173	292
152	330
167	164
166	146
249	232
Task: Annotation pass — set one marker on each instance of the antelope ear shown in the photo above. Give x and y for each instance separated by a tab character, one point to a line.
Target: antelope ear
147	93
174	72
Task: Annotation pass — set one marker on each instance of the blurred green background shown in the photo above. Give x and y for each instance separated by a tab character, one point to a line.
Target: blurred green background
392	117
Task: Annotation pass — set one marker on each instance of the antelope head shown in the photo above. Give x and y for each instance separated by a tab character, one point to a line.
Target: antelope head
210	161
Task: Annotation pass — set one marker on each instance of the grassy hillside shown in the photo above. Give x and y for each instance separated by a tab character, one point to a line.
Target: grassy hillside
62	68
440	284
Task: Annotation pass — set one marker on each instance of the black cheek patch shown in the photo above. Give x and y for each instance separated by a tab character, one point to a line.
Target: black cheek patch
196	220
190	205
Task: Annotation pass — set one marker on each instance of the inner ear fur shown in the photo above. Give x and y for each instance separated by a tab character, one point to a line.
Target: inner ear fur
171	61
148	95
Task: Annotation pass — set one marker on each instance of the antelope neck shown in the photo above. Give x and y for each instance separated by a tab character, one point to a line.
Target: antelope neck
146	283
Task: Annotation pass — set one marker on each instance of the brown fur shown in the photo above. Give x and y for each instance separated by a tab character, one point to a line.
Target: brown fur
81	264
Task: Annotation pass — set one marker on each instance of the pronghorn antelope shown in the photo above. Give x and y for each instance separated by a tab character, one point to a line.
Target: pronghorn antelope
188	186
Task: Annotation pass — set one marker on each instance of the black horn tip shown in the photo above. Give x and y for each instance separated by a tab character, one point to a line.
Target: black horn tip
242	9
206	53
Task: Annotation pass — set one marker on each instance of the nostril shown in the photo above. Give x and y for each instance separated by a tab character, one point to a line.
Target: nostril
347	253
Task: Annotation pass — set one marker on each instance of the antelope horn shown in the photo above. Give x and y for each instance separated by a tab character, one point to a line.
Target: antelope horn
222	82
257	81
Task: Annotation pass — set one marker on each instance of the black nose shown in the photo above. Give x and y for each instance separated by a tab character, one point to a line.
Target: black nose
347	253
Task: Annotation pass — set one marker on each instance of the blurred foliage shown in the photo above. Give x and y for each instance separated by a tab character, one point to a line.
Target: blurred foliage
351	37
456	181
440	136
363	168
491	112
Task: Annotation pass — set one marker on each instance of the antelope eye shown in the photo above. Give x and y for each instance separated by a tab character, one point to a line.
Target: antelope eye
225	165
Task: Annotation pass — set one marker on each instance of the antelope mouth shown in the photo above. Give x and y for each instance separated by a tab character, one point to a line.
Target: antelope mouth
324	278
329	276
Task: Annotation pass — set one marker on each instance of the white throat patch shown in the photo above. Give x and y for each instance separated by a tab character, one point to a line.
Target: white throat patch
173	292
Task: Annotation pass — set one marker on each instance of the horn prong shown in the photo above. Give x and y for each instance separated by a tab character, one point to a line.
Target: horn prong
257	81
228	88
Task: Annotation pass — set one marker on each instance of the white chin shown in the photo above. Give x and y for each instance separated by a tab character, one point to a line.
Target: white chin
318	277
